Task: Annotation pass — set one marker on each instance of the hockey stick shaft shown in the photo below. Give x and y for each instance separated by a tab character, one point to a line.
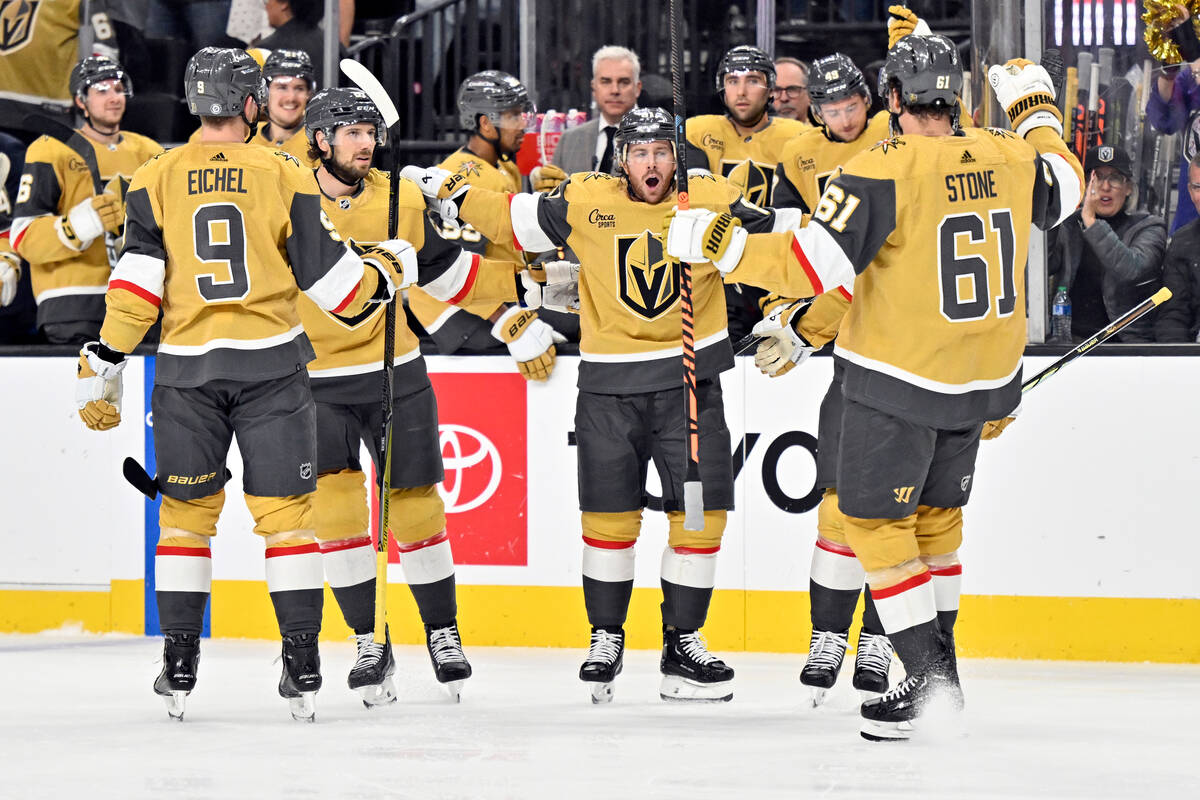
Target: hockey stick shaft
379	96
1101	336
693	490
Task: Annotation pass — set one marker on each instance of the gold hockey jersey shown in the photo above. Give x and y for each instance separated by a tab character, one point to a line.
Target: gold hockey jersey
451	326
630	323
296	144
39	43
808	161
68	284
748	162
932	232
349	351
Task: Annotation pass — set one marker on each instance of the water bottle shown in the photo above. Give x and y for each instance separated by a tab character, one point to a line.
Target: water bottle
1060	316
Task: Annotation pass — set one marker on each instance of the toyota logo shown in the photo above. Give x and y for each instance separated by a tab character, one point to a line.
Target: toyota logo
462	449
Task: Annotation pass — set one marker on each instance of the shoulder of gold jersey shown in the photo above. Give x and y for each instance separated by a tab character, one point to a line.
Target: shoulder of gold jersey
142	144
408	194
782	126
47	150
808	139
1004	140
712	191
887	158
710	124
878	126
588	187
288	157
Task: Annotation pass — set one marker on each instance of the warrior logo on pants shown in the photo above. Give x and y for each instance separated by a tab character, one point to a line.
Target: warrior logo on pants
647	282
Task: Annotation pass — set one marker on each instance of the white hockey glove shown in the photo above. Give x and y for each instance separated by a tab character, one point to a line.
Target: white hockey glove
396	261
443	190
10	274
553	285
698	235
903	22
782	347
90	218
530	342
1026	92
98	388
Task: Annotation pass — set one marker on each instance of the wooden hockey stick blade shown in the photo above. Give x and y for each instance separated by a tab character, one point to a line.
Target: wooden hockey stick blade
1101	336
72	139
138	478
366	81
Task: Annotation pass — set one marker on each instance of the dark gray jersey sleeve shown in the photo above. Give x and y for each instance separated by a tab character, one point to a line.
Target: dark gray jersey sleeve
858	214
312	248
754	219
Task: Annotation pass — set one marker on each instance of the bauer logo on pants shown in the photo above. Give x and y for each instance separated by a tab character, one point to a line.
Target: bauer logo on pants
482	432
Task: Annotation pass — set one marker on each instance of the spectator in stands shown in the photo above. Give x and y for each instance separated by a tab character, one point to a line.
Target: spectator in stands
1179	320
616	83
297	25
1107	255
200	23
1175	107
791	88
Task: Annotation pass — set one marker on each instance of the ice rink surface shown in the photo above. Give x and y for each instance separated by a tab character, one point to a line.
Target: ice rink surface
78	720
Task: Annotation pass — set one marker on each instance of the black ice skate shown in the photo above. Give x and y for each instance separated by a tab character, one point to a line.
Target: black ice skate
932	696
826	649
450	665
689	671
371	675
605	658
301	676
871	663
181	655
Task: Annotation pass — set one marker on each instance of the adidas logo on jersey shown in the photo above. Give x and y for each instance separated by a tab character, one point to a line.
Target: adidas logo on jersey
219	157
967	158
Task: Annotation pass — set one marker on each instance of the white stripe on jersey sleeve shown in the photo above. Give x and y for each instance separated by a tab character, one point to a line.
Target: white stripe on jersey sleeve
143	271
442	319
451	282
822	258
19	224
523	210
332	288
787	219
1069	190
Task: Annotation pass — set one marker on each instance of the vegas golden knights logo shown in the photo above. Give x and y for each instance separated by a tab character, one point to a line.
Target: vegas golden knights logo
17	19
647	282
752	180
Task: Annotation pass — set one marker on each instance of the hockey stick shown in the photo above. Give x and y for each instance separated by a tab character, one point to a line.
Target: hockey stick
363	78
1101	336
138	478
693	489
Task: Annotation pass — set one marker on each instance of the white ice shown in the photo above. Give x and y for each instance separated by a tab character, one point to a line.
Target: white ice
78	719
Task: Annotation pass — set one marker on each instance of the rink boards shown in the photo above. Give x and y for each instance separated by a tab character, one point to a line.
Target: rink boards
1079	534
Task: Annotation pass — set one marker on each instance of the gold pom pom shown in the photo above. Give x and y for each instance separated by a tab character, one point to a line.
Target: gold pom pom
1158	16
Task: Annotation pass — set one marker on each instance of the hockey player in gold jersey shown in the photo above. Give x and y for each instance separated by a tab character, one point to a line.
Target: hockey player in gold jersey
494	107
344	128
223	235
629	409
62	224
930	229
39	41
841	103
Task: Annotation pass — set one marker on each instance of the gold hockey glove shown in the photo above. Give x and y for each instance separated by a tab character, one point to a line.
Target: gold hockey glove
903	22
546	178
530	342
98	389
996	427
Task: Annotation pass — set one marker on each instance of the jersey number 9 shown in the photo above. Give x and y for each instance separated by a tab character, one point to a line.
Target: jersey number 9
220	235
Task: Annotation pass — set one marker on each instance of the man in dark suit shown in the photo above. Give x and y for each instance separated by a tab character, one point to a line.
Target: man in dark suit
616	83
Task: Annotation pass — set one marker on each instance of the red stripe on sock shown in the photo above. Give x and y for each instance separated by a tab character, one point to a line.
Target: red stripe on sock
703	551
603	544
133	288
946	572
807	266
195	552
903	586
835	548
275	552
344	544
411	547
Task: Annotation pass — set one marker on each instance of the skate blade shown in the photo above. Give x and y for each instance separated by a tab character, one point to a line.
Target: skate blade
866	694
601	693
304	707
378	695
678	689
175	702
818	696
886	731
454	689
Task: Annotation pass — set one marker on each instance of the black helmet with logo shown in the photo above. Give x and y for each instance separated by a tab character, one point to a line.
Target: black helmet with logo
330	109
96	69
926	70
490	93
641	126
745	58
219	79
290	63
835	77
